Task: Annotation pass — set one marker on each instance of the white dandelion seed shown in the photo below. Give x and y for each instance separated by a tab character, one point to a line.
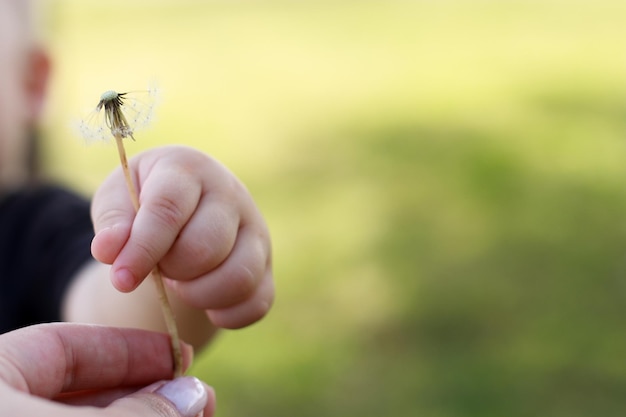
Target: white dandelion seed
119	114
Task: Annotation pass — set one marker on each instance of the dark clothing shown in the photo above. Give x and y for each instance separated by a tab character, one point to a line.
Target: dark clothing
45	237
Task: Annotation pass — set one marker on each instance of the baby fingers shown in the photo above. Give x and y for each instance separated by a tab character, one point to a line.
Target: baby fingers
168	200
204	243
244	278
249	311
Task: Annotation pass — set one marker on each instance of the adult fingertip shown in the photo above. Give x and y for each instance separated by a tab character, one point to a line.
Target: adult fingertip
211	401
188	394
185	396
188	353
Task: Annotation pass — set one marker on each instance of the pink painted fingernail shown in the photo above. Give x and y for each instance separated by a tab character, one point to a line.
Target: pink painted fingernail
186	393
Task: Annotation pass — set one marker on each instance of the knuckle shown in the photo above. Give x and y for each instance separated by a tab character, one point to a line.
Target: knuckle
167	211
243	282
245	278
190	258
109	217
259	310
205	251
147	249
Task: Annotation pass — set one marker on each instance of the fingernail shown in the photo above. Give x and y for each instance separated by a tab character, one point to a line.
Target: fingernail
186	393
124	280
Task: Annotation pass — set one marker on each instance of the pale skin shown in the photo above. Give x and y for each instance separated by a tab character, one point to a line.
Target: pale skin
201	226
196	221
91	371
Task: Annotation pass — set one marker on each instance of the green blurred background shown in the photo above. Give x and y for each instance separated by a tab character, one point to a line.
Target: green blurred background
444	182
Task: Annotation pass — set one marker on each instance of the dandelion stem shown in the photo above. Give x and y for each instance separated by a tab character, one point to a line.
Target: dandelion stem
166	308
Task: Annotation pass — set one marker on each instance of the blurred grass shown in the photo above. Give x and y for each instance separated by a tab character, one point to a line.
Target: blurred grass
444	182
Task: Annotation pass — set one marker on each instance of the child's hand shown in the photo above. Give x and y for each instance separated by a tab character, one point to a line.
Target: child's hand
199	223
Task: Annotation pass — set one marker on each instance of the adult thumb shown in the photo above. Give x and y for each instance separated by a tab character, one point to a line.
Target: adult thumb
182	397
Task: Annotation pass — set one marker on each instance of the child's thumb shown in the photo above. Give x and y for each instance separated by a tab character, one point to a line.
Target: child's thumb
182	397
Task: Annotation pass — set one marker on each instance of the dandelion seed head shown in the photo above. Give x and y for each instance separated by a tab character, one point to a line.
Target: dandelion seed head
109	95
119	114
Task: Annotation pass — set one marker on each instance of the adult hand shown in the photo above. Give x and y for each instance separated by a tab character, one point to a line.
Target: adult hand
83	370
